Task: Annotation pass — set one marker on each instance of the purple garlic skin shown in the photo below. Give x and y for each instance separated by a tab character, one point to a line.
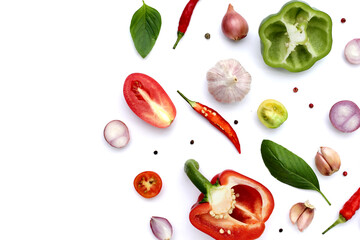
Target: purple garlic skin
302	214
327	161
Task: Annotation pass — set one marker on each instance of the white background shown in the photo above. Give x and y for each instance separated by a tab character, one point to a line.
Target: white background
62	68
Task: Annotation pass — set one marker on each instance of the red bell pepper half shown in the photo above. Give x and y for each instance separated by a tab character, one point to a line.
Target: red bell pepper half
231	206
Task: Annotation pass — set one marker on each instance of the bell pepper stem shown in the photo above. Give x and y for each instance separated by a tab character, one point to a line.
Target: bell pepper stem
191	169
179	36
341	219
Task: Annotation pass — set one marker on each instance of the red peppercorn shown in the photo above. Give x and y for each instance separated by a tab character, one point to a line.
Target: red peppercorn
311	105
345	173
343	20
295	90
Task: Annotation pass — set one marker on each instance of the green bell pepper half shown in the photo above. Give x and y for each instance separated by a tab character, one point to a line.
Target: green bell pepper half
295	37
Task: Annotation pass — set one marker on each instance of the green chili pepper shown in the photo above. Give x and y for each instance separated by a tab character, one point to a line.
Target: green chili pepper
295	37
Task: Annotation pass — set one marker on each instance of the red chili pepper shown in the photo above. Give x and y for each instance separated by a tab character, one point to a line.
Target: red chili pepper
348	210
216	120
185	19
231	206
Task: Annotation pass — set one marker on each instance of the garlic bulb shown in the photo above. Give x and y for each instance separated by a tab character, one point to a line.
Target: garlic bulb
228	81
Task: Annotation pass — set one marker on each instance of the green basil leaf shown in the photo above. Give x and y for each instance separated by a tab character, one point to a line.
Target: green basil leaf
145	28
289	168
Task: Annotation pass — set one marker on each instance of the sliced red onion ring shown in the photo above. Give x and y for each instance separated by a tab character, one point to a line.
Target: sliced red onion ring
352	51
116	133
345	116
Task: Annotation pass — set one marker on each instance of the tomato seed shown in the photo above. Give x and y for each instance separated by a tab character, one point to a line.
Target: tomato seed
207	35
345	173
192	142
236	122
155	152
295	90
311	105
343	20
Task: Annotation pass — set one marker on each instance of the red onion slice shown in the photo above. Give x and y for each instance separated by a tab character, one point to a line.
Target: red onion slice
345	116
116	134
352	51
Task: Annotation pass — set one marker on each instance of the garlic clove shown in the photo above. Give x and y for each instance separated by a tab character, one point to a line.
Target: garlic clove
332	158
327	161
302	214
321	164
228	81
305	219
296	211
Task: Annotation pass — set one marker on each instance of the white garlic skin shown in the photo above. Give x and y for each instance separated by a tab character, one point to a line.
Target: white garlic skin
228	81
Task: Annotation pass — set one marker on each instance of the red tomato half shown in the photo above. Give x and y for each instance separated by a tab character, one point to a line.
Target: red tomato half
148	184
148	100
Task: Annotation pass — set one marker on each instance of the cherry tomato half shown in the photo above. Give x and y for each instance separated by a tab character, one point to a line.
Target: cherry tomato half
148	184
148	100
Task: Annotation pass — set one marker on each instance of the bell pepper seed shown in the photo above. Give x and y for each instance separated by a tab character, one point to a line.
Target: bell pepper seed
219	200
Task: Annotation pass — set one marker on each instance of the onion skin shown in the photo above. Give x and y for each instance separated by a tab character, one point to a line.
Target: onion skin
233	25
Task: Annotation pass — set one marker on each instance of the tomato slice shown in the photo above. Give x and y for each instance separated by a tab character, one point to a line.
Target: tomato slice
148	100
148	184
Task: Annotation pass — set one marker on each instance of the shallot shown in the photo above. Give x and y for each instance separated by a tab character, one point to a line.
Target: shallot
116	133
352	51
228	81
233	25
161	227
345	116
